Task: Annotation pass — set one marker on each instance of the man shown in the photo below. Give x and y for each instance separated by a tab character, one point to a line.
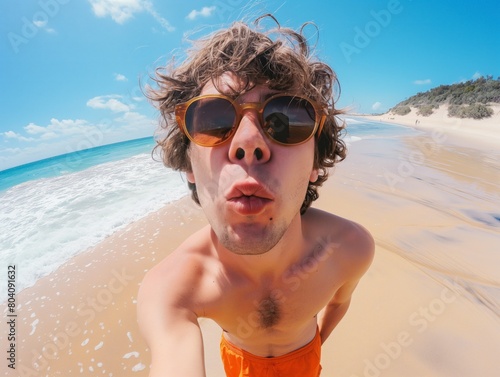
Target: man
251	122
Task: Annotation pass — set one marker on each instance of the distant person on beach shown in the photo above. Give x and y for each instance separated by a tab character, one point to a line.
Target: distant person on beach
250	119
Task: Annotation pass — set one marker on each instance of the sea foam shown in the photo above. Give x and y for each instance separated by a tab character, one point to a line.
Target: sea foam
48	221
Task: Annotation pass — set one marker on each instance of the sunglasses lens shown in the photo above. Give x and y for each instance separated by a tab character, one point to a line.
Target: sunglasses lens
289	120
209	121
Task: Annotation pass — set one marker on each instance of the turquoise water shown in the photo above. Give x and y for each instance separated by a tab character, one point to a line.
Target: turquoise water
73	162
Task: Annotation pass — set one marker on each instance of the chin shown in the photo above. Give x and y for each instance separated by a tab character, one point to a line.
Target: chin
251	240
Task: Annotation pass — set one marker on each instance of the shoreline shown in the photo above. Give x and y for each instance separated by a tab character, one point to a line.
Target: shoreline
430	303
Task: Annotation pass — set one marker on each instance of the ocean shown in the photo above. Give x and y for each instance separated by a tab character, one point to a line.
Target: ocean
54	209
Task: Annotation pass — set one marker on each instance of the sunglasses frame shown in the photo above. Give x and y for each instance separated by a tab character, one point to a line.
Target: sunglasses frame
181	110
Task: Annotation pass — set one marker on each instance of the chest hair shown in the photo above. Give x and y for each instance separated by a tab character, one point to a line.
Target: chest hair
269	312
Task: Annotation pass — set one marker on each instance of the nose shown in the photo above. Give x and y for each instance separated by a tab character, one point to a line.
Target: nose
249	144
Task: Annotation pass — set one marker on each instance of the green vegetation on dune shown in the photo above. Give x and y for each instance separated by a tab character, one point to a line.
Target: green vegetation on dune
468	99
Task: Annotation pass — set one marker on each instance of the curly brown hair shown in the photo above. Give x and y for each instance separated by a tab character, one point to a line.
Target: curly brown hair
283	63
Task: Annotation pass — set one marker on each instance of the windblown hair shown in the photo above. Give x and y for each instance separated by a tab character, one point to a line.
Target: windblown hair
283	63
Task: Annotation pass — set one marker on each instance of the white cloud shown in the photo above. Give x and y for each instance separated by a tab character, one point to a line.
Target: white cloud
110	102
13	150
57	128
376	106
67	126
16	136
33	129
162	21
69	135
121	11
10	134
63	129
133	121
422	82
42	24
120	77
477	75
204	12
49	135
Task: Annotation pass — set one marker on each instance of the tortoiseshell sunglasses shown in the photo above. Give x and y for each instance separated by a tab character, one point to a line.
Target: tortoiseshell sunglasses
212	119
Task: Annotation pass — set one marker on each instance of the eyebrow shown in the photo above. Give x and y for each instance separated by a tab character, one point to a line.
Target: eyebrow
269	95
263	97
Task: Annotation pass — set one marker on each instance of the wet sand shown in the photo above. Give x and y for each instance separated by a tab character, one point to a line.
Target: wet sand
428	306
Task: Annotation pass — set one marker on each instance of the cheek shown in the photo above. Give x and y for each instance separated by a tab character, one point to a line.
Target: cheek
189	174
303	167
295	177
206	175
199	164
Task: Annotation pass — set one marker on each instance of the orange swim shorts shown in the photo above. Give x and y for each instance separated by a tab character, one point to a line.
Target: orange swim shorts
304	362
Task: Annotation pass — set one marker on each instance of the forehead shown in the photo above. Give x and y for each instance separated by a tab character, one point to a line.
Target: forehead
230	83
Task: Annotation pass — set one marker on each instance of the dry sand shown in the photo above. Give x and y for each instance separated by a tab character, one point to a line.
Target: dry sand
484	130
428	306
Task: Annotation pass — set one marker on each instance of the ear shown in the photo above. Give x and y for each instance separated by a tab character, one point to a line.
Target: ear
190	177
314	175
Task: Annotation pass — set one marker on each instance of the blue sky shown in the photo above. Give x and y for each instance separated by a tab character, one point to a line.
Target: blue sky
71	70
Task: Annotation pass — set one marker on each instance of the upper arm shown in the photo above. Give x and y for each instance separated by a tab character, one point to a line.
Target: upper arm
357	257
170	327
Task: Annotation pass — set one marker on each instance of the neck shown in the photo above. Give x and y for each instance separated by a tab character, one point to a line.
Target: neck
271	264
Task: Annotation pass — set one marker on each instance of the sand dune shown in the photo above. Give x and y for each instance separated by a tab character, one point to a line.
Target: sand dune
484	130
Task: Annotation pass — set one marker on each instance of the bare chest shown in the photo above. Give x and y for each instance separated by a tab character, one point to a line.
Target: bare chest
290	302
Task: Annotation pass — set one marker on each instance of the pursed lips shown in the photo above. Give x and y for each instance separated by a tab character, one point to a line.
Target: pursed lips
248	198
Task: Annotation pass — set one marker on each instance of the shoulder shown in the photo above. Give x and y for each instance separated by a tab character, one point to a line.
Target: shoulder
351	243
174	281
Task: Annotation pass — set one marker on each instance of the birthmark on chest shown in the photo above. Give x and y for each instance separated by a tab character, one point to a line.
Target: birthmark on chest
269	312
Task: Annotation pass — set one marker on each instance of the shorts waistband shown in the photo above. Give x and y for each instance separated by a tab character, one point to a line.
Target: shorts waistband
314	344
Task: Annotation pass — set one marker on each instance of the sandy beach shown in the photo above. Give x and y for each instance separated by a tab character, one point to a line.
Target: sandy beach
428	306
486	130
